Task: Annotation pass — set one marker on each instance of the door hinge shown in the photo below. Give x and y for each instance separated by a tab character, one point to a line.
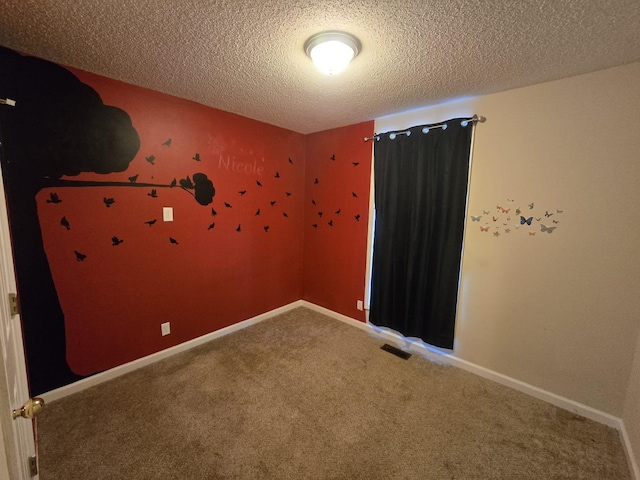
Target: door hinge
33	466
14	307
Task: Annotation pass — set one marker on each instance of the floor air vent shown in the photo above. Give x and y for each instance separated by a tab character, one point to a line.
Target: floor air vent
396	351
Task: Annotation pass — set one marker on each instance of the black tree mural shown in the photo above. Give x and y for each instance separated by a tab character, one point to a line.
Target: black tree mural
58	128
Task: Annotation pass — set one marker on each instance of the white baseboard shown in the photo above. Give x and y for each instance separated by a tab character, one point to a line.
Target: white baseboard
443	356
112	373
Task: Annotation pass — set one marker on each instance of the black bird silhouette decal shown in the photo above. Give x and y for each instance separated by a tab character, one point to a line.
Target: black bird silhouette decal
153	193
79	256
167	143
290	161
173	183
173	240
227	205
288	194
108	201
272	203
355	195
258	212
320	214
242	192
133	178
277	175
358	217
355	164
239	229
151	222
115	241
333	157
315	225
211	226
266	228
196	157
186	183
53	198
284	214
65	223
331	223
213	212
315	182
150	159
313	201
258	183
338	211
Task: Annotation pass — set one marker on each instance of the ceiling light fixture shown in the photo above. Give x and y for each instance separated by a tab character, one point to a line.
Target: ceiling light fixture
331	51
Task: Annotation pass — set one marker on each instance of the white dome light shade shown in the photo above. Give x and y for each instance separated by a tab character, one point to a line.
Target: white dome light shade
332	51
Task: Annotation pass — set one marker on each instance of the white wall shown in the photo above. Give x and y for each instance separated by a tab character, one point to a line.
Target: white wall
557	311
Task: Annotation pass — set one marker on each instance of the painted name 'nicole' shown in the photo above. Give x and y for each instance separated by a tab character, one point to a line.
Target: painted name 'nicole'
248	168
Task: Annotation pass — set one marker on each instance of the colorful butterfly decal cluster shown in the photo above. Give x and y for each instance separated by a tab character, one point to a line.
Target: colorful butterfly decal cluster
510	217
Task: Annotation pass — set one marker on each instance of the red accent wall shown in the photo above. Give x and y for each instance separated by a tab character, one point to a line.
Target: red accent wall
116	298
337	179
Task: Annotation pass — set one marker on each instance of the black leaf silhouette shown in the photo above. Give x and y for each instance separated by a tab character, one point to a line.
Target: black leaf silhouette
358	217
333	157
213	212
150	159
153	193
211	226
258	183
290	161
239	229
173	183
133	178
273	203
284	214
186	183
115	241
65	223
313	201
173	240
320	214
196	157
331	223
258	212
315	225
277	175
355	164
266	228
53	198
79	256
151	222
355	195
167	143
108	201
228	205
242	192
316	181
288	194
338	211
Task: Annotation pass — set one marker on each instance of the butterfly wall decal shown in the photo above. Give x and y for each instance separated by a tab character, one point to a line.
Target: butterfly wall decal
476	219
525	220
484	229
544	228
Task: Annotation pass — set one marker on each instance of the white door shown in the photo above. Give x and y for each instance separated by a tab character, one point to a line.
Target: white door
19	434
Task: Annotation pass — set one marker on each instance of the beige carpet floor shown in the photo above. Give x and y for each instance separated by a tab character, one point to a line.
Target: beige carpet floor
303	396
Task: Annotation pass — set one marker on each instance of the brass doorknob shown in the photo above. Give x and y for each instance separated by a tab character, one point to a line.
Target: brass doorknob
30	409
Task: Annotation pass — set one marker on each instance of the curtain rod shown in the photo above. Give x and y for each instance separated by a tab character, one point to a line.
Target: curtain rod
474	119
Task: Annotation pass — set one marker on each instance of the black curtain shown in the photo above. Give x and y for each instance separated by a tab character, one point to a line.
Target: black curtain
420	201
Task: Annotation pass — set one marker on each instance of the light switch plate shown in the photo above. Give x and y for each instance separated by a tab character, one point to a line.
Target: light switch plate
167	214
359	305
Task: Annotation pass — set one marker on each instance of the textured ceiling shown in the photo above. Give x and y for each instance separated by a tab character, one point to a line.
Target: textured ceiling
247	56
